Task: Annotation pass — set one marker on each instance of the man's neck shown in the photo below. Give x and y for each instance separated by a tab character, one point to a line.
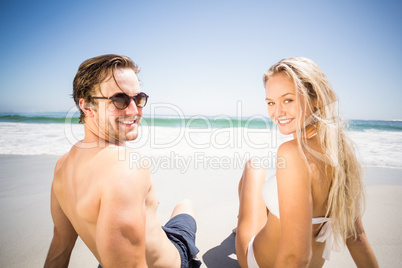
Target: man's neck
98	140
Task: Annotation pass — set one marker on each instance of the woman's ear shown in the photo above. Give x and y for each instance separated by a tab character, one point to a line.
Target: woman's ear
315	104
86	108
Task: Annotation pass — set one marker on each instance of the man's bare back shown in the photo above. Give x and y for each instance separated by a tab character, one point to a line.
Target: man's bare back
82	186
96	193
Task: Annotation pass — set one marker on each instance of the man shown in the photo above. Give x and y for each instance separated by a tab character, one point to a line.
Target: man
96	194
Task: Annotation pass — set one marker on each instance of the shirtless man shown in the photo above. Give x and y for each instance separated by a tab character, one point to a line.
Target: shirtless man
96	194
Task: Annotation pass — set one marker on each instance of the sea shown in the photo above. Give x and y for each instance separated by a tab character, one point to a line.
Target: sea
208	141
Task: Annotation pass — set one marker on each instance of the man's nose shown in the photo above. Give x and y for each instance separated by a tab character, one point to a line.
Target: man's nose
132	108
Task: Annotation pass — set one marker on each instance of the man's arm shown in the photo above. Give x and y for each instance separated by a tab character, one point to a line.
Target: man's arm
64	237
360	248
120	234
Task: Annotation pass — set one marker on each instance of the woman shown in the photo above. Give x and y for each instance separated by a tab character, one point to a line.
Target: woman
315	200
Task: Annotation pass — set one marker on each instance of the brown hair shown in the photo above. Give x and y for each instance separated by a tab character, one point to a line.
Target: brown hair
94	71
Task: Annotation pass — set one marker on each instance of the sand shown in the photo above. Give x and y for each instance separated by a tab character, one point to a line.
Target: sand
26	224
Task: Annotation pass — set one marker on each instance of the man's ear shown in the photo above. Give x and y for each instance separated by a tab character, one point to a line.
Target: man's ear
86	108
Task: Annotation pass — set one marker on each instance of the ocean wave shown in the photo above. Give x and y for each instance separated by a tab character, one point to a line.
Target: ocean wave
378	148
197	121
362	125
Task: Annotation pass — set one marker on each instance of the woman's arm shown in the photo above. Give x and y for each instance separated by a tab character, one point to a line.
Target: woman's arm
295	208
360	248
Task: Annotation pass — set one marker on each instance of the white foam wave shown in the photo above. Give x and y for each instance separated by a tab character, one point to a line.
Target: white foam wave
376	148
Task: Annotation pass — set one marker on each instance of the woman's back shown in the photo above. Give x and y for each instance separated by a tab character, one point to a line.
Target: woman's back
319	182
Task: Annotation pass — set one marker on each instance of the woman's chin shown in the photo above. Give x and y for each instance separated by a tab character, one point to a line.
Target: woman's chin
285	131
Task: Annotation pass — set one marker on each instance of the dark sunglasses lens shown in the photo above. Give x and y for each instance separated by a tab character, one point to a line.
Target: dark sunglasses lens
140	100
121	100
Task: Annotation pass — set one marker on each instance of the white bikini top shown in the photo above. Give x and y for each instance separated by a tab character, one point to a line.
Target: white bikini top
270	196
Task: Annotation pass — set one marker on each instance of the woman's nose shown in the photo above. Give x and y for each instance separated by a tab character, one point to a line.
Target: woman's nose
279	111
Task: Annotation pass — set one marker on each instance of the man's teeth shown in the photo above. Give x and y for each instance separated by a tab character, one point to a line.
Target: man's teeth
127	122
284	121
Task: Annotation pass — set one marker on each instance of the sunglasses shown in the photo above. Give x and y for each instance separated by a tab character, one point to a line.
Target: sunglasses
121	100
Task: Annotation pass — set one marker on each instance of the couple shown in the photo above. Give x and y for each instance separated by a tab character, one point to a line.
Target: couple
290	220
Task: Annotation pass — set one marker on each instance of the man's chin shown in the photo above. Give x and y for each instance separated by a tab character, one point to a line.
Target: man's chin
128	134
131	136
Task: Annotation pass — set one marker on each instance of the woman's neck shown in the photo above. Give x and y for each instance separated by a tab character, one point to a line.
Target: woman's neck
310	131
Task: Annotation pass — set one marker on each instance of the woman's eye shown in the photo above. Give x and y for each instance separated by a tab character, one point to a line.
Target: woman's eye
270	103
288	101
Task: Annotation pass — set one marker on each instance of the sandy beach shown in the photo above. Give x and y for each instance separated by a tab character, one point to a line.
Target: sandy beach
26	222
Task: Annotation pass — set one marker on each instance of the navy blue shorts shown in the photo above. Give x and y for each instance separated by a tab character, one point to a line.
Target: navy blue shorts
181	231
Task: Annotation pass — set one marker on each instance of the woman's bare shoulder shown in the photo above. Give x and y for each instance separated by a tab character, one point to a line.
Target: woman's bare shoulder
293	163
291	150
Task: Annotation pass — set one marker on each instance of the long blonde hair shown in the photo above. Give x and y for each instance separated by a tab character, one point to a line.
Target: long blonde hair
314	94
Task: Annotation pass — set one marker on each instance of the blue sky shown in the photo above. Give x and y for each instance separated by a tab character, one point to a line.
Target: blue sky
204	57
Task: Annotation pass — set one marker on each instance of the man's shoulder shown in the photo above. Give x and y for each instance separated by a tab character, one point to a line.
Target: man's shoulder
120	163
121	156
60	162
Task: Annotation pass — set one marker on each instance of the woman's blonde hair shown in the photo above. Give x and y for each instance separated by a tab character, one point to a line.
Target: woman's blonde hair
314	94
